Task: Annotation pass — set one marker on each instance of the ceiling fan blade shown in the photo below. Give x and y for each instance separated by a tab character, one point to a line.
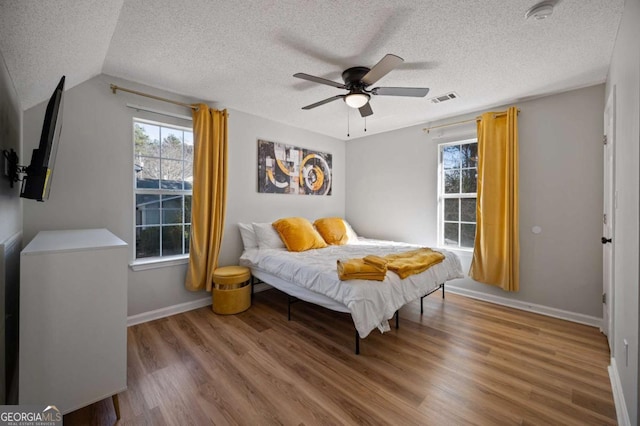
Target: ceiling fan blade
326	101
319	80
416	92
365	110
382	68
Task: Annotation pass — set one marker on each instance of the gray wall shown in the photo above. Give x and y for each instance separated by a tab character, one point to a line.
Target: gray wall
10	138
245	204
10	224
92	184
392	194
624	79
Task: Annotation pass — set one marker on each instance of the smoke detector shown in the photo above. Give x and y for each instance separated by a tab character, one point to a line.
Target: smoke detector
446	97
540	11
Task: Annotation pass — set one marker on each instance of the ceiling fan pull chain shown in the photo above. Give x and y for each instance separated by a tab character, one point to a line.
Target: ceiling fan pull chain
348	123
365	124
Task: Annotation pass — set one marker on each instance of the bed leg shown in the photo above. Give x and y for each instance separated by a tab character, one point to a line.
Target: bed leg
357	343
422	305
288	308
442	285
397	319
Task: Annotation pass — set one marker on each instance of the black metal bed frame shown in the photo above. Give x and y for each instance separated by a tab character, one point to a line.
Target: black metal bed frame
292	299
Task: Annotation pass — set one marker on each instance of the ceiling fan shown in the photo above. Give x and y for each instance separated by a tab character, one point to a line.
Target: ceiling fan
357	81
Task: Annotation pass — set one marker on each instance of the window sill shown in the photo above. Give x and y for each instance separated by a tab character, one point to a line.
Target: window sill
459	250
158	262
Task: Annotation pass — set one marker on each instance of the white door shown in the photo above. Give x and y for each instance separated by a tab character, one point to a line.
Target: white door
607	220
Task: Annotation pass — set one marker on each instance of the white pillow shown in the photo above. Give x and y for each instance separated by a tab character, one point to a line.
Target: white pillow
267	236
248	236
353	237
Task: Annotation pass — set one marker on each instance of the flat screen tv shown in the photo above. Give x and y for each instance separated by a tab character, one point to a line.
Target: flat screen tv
36	185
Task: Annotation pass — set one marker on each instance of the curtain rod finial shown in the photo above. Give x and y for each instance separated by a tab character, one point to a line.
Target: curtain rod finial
113	88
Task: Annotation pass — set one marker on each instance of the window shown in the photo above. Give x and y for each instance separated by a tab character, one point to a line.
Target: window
163	169
457	183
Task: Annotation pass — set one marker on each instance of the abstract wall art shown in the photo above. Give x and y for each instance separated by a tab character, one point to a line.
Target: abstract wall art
287	169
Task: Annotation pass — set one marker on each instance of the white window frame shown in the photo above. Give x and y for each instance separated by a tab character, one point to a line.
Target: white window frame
144	263
442	196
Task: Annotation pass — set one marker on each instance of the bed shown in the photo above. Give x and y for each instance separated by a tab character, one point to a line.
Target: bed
312	276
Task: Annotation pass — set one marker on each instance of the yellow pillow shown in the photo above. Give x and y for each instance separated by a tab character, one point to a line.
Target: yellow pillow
333	230
298	234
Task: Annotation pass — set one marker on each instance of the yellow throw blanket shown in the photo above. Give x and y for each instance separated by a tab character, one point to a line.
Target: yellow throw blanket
413	262
358	269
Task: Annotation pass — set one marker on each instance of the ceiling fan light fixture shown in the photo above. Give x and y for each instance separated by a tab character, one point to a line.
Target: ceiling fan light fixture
540	11
356	100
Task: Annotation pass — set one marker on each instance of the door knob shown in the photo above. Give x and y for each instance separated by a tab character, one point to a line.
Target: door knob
606	240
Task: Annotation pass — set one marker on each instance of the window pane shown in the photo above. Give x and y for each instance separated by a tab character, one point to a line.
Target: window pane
469	181
188	175
468	236
147	209
147	172
468	209
171	209
451	234
469	155
187	208
147	241
459	165
452	181
171	174
146	138
171	240
171	143
451	156
188	146
451	209
163	160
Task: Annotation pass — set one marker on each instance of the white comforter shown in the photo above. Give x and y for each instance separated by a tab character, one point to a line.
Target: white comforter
371	303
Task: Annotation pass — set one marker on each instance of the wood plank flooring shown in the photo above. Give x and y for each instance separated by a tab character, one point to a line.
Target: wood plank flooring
462	362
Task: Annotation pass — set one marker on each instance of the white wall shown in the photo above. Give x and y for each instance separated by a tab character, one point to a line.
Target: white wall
92	185
624	80
392	193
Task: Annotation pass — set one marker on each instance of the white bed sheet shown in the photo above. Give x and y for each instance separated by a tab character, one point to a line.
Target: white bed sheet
371	303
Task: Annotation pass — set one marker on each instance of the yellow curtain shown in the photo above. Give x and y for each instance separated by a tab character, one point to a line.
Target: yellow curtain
496	253
209	195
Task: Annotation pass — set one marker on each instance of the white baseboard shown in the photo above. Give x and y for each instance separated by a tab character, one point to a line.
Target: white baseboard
180	308
517	304
168	311
526	306
618	396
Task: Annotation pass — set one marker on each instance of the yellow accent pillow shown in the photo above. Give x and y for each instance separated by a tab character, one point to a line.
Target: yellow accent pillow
333	230
298	234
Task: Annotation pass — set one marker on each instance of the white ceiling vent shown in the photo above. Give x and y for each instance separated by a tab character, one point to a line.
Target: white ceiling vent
446	97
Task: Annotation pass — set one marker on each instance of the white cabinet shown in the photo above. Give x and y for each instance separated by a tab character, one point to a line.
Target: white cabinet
73	318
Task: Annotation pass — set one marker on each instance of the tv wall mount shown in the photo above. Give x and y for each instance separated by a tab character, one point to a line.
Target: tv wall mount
12	170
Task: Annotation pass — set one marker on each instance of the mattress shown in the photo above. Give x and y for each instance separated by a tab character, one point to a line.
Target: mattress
312	276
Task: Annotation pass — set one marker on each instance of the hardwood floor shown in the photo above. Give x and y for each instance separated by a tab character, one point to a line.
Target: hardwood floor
462	362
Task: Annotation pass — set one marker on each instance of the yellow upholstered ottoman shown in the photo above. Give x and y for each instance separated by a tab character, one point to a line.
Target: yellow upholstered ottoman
231	291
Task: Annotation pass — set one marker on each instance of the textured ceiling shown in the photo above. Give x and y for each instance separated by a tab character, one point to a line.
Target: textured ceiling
242	54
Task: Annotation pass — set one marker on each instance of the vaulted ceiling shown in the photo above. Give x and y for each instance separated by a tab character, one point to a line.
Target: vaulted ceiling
242	54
